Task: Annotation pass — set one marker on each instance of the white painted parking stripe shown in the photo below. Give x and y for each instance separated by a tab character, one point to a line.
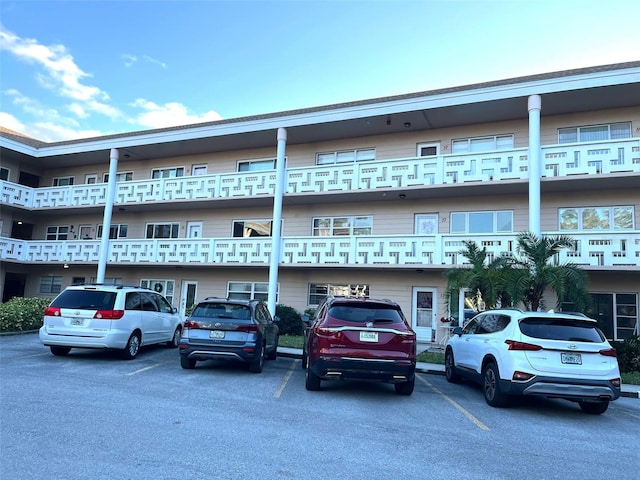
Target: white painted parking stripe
286	379
457	406
33	355
146	368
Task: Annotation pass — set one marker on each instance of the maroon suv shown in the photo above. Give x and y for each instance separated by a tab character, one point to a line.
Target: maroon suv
353	338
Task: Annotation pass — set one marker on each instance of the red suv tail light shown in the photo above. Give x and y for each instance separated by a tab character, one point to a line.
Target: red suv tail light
609	352
109	314
52	312
513	345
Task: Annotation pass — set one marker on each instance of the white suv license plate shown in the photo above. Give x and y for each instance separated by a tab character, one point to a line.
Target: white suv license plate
216	334
371	337
571	358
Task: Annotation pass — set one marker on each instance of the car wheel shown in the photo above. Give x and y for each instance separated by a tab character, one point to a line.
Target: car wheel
133	347
274	354
175	340
187	363
491	386
312	381
256	365
450	367
405	388
60	351
594	408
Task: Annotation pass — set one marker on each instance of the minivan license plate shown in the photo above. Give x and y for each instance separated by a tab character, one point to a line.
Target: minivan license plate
369	337
571	358
77	321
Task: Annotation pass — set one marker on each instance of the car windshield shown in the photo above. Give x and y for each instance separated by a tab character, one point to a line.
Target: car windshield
85	300
223	311
573	330
365	314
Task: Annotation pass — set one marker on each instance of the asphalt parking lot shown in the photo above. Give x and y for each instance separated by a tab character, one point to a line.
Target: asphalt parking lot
93	415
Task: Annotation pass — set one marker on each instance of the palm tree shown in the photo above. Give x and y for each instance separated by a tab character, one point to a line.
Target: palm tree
532	273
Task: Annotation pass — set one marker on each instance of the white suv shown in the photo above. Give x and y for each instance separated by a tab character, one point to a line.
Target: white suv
556	355
109	316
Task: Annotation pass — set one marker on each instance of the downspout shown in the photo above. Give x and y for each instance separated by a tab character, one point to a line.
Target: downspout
534	105
276	238
106	219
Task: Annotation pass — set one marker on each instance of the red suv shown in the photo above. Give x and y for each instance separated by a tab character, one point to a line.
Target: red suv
354	338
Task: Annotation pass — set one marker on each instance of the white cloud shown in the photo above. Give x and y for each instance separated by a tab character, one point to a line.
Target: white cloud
153	60
128	59
168	115
50	132
12	123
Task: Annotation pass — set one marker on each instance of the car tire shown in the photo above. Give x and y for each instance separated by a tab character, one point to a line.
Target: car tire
274	354
256	365
133	347
491	386
311	380
60	351
450	367
187	363
175	340
405	388
594	408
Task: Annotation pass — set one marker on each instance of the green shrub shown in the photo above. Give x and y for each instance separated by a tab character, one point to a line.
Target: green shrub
309	312
290	321
628	354
22	314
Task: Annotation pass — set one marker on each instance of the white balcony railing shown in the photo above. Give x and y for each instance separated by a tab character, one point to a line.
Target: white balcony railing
592	250
558	161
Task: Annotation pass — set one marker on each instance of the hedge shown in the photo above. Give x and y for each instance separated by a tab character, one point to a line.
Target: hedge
22	314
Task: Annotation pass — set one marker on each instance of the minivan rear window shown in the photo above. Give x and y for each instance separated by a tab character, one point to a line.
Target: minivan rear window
572	330
85	300
364	314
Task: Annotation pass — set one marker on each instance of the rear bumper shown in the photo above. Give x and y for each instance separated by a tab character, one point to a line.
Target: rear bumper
245	353
380	370
578	390
115	339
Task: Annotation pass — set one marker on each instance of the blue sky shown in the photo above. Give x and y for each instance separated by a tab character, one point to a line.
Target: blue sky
75	69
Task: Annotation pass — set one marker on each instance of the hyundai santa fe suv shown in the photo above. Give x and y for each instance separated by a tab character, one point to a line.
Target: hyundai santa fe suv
555	355
109	317
356	338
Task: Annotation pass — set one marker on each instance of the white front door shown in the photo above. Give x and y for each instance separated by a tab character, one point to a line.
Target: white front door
194	229
188	296
424	310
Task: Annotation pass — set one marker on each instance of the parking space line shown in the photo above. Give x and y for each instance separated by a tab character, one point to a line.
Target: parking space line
617	409
457	406
33	355
145	369
286	379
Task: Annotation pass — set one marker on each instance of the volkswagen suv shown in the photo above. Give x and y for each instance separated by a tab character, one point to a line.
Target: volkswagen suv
555	355
356	338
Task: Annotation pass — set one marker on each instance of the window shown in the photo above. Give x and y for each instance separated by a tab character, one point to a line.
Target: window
596	218
482	144
426	224
167	172
612	131
257	165
50	284
91	178
346	156
199	170
62	181
115	231
330	226
482	222
58	233
163	287
317	291
428	149
252	228
4	173
120	177
163	230
250	290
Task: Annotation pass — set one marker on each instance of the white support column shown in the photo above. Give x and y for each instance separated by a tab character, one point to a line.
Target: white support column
106	219
276	237
534	105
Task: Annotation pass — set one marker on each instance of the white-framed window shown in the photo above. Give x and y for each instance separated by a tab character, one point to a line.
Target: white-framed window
317	291
50	284
250	290
161	286
116	230
426	224
162	230
120	177
252	228
199	170
596	218
257	165
330	226
58	232
428	149
91	178
172	172
482	144
594	133
346	156
4	173
63	181
500	221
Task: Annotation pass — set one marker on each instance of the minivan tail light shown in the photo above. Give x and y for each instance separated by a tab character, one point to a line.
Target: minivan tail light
109	314
52	312
608	352
513	345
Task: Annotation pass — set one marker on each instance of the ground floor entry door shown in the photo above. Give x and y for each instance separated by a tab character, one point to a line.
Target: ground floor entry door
423	315
188	296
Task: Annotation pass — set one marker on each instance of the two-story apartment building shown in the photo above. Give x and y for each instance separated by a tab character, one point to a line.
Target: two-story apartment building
374	195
